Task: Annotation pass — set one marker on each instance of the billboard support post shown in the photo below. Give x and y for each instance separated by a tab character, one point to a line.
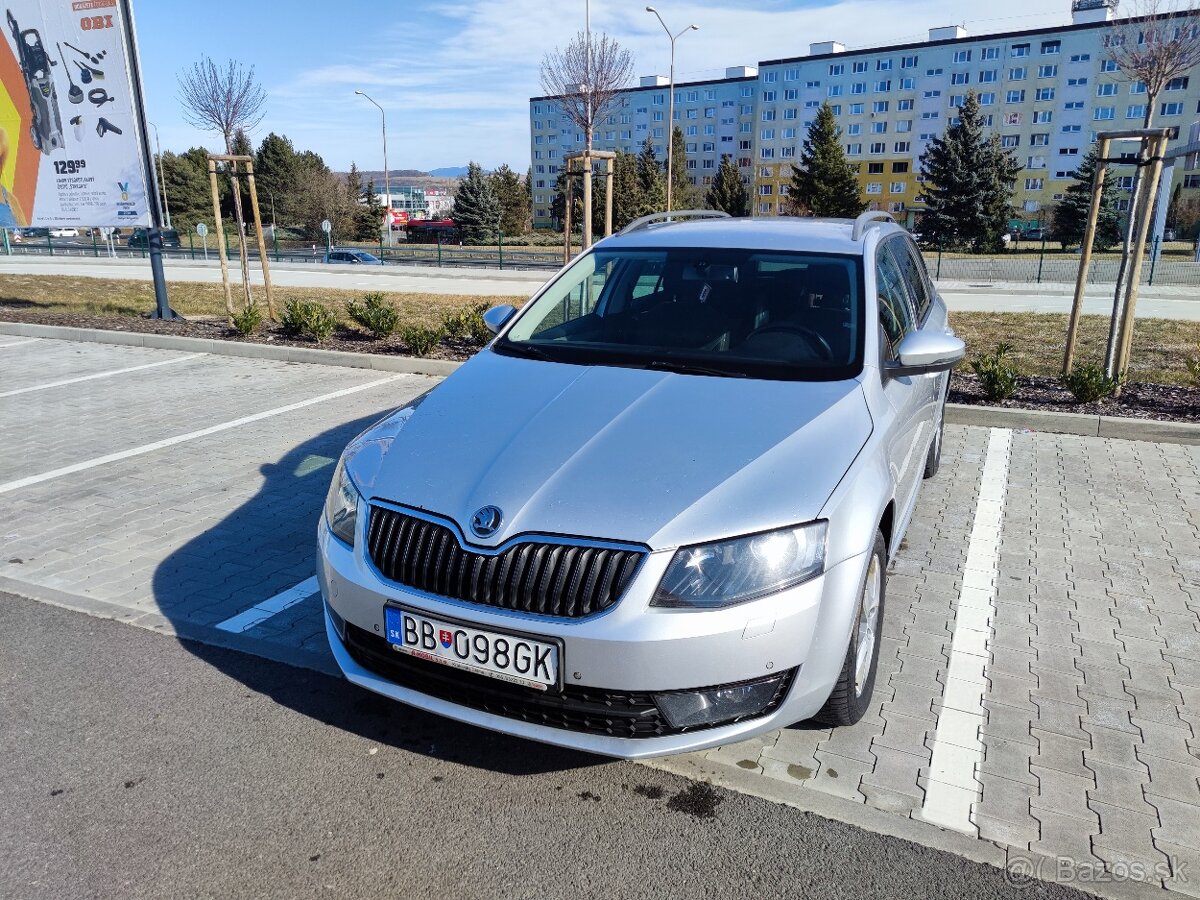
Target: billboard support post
154	235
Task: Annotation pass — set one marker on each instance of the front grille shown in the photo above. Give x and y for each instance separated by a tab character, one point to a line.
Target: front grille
550	579
624	714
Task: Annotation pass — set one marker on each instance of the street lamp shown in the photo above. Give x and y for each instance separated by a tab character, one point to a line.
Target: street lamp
387	184
671	102
162	177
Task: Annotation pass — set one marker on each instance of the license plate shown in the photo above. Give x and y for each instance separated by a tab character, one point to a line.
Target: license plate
509	657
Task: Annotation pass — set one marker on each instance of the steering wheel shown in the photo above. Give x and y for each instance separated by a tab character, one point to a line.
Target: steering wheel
815	338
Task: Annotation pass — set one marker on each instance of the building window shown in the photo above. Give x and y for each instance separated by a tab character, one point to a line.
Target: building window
1047	71
767	152
854	129
896	206
1177	84
1108	90
1049	48
962	56
882	87
987	98
1076	82
929	95
1014	97
1017	74
879	106
812	85
933	73
874	168
1036	162
904	105
860	66
1019	50
1073	104
747	91
768	96
903	126
1071	129
767	134
899	167
1136	111
791	75
856	109
908	62
770	77
766	190
787	152
693	113
1044	94
907	84
1068	151
1039	140
808	104
956	100
878	147
1104	113
1080	57
879	127
1010	140
1034	184
854	149
859	87
837	69
931	115
768	115
1137	87
902	147
989	53
874	187
897	187
987	76
960	77
835	90
1172	109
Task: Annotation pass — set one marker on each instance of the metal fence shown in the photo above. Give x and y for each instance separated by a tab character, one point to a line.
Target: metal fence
1170	265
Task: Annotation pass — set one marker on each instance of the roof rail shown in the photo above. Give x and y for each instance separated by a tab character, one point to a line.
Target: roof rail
866	220
646	221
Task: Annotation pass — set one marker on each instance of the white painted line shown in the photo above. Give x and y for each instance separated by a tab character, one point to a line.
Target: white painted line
190	436
19	343
109	374
256	615
953	785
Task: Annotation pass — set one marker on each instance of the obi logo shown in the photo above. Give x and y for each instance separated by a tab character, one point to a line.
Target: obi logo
124	186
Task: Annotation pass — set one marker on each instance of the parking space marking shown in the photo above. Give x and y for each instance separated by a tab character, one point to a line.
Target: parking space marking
191	435
259	613
109	374
19	343
953	785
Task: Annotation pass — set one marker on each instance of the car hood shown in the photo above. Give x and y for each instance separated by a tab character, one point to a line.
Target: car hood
649	457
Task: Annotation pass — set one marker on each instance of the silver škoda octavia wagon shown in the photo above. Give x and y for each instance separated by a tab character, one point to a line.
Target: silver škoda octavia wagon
655	513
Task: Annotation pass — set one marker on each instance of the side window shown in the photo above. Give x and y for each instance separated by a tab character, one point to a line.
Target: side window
914	276
895	314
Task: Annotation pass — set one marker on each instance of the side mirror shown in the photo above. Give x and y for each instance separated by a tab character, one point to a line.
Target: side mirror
926	353
496	317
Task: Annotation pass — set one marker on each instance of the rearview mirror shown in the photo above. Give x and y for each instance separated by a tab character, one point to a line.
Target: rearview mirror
497	316
926	352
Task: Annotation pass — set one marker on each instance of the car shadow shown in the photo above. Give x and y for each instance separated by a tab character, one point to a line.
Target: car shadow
268	545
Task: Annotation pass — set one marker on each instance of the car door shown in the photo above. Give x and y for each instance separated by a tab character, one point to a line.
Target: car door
906	394
928	313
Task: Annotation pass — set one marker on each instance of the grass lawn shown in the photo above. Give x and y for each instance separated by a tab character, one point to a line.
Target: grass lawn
1161	347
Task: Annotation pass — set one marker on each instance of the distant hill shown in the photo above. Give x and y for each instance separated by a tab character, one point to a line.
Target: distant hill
449	172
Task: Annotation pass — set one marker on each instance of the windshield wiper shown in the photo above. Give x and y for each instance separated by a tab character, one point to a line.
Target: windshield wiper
682	368
528	351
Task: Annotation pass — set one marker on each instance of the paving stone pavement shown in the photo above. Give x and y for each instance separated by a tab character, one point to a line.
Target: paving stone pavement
1088	714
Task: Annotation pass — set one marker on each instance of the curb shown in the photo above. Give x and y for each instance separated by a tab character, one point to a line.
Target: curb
1084	424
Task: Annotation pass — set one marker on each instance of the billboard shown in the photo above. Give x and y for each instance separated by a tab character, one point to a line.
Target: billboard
69	147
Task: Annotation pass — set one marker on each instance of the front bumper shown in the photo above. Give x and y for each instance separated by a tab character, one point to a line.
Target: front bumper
622	655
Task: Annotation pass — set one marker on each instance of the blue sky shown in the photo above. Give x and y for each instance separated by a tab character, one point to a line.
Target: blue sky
455	76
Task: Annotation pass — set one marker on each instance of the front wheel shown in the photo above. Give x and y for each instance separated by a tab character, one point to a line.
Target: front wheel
933	461
851	697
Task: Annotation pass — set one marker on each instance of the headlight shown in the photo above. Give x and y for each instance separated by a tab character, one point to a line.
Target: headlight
725	573
341	504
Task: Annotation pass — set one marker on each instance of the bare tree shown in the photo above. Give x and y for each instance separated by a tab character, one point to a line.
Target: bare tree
1155	45
224	100
228	100
585	78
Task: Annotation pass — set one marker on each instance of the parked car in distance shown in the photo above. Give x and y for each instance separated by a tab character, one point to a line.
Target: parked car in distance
64	232
139	238
1034	234
655	514
35	232
354	257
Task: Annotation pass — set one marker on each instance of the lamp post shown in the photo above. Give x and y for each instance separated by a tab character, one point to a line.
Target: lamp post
671	100
162	176
387	184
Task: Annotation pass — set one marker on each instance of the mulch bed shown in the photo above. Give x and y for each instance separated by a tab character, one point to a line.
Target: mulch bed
343	338
1157	402
1138	400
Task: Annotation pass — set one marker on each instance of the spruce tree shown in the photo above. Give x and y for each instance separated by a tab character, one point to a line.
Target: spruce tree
1069	217
514	201
684	194
476	209
824	182
968	190
727	192
652	183
627	190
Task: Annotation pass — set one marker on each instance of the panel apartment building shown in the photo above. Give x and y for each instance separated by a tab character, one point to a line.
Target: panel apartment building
1046	92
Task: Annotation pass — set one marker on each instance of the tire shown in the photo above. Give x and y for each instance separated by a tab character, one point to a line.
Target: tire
851	696
933	461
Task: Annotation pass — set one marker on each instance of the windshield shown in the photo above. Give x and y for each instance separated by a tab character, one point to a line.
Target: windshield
750	313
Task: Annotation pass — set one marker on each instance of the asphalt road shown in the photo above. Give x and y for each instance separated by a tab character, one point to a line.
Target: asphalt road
132	765
1159	301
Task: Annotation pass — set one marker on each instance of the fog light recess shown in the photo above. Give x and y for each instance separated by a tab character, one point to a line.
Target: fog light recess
688	709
